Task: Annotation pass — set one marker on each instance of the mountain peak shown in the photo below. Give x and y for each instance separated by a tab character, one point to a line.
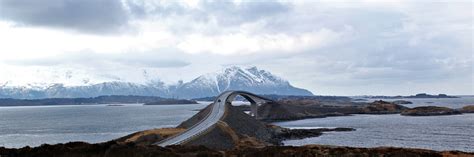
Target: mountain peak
239	78
78	84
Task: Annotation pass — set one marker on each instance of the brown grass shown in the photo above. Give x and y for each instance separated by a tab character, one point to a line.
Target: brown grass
162	132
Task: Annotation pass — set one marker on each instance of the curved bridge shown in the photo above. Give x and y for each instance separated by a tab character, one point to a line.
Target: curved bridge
214	116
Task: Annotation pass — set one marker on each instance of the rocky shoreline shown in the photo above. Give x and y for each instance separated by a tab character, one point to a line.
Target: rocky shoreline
296	109
295	134
429	111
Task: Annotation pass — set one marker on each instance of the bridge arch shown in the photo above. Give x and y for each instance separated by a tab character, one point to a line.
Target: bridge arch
255	100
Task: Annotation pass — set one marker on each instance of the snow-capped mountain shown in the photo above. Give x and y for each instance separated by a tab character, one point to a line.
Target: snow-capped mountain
232	78
237	78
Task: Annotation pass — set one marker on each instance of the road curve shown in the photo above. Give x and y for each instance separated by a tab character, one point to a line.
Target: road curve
216	113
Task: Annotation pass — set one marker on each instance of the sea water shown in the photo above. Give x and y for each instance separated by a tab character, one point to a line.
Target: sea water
33	126
36	125
452	132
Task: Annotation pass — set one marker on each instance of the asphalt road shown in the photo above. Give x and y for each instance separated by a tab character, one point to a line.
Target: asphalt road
217	111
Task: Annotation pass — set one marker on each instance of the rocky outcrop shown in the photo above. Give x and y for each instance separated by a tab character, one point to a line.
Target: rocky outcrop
383	107
115	149
467	109
429	111
282	111
292	134
424	95
300	109
420	95
401	102
172	102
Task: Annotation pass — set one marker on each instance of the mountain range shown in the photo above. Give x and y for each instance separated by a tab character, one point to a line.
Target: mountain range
250	79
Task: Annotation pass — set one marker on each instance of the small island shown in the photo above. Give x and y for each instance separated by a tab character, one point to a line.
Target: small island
172	102
424	95
467	109
429	111
420	95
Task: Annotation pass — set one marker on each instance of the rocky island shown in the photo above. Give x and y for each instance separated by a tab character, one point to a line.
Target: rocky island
420	95
467	109
294	109
171	102
429	111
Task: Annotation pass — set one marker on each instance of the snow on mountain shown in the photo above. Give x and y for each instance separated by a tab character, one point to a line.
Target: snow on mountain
236	78
76	83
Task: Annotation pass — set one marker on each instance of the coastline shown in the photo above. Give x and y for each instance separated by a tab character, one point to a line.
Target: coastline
336	117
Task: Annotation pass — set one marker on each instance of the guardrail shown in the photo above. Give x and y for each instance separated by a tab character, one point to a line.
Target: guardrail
195	125
208	128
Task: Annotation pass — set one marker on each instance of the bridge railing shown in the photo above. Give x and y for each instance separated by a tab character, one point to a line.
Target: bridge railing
195	125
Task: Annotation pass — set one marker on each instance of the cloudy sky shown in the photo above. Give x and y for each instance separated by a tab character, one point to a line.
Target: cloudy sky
329	47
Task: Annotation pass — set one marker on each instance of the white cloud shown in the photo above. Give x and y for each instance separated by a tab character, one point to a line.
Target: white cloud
242	43
330	47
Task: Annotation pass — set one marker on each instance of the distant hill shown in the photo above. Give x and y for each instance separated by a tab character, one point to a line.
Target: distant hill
232	78
114	99
420	95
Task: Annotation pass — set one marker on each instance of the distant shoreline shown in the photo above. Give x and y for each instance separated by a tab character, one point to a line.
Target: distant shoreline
113	99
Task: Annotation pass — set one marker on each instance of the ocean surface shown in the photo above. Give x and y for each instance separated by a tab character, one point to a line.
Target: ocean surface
446	102
35	125
454	132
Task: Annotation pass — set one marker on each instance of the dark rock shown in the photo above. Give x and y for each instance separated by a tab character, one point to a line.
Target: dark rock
289	134
400	102
294	110
113	149
420	95
424	95
299	109
429	111
467	109
171	102
383	107
358	99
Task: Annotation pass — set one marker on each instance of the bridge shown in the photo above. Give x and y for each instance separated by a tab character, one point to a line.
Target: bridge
218	108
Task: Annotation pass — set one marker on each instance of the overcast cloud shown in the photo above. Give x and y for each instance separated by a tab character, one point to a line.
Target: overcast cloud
330	48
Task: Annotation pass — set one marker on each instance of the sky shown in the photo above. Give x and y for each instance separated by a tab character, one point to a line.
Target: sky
353	47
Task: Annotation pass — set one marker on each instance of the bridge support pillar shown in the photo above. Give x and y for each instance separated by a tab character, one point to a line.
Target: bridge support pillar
253	109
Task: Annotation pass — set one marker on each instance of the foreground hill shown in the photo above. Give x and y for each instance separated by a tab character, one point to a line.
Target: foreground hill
115	149
211	84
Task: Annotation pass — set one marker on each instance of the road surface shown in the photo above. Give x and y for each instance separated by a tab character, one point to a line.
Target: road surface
217	112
